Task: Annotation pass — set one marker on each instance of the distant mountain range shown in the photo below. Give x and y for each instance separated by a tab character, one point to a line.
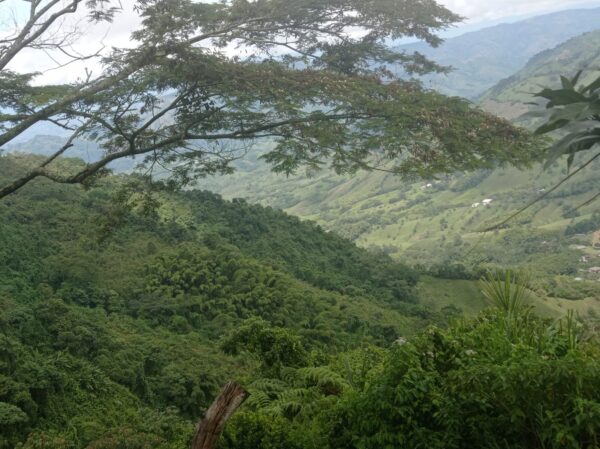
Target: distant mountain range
82	149
483	58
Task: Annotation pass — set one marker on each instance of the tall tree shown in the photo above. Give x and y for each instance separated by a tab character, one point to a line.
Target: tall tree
206	80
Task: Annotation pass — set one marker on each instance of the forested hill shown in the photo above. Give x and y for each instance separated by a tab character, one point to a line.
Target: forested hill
113	303
122	312
483	58
510	97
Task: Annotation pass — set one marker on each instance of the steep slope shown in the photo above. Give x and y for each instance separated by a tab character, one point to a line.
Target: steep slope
113	304
484	57
508	98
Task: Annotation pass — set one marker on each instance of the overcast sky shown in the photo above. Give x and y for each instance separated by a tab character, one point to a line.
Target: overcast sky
478	14
493	10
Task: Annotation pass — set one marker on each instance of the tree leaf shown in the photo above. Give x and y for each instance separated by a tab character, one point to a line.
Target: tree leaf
575	79
551	126
566	83
594	85
561	97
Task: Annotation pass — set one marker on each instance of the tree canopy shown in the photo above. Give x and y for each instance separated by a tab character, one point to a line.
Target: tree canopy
206	81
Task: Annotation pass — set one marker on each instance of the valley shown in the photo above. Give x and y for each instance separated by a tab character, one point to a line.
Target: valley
275	224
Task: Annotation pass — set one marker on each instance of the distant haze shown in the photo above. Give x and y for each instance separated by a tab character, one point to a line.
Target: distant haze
482	58
493	10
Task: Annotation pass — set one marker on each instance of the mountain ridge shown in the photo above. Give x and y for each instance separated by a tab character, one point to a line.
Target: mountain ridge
484	57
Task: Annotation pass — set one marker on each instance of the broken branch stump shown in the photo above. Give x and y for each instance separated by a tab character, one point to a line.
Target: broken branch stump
210	427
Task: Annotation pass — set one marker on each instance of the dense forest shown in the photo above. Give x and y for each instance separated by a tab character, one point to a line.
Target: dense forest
122	315
113	300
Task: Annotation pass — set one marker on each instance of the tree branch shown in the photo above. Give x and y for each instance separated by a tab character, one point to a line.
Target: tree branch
41	169
24	39
541	197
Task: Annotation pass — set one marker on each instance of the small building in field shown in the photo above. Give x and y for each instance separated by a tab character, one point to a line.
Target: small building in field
487	201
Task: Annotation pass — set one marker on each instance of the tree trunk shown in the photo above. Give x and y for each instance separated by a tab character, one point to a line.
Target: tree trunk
210	427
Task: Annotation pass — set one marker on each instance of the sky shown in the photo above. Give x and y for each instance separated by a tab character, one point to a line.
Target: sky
478	11
478	14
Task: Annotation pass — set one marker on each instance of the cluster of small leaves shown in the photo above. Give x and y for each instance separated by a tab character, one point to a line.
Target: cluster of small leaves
473	385
181	102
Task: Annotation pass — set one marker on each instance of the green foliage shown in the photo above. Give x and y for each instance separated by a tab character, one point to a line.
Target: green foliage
575	110
254	430
274	347
506	292
179	88
585	226
473	385
305	250
109	335
113	341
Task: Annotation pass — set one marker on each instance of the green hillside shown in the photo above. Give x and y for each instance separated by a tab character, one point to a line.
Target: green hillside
161	307
434	222
123	311
510	96
113	304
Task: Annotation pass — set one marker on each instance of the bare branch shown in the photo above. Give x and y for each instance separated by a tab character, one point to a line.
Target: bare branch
541	197
27	35
40	170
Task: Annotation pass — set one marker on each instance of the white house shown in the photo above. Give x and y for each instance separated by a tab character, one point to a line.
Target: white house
487	201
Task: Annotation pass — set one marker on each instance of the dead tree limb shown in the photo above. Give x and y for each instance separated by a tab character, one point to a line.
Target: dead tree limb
210	427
